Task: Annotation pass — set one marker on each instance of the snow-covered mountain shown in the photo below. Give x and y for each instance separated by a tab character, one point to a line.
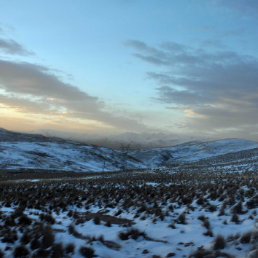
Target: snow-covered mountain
34	151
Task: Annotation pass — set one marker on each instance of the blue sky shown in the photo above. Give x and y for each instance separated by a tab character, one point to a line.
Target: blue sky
157	66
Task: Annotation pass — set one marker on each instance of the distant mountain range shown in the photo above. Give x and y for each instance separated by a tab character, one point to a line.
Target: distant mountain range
133	140
35	151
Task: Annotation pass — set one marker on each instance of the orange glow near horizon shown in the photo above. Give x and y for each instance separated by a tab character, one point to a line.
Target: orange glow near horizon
11	119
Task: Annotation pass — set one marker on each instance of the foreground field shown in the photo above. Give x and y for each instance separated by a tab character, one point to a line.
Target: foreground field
193	214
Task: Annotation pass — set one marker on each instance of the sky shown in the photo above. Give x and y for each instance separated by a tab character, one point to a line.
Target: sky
181	67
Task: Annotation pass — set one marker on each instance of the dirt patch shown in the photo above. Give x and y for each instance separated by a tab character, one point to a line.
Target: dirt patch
84	216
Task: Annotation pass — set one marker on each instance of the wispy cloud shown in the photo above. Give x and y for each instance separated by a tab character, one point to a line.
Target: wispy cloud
10	46
247	7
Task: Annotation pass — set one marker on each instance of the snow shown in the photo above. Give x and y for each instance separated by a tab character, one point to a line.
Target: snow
192	151
182	240
200	167
38	152
62	156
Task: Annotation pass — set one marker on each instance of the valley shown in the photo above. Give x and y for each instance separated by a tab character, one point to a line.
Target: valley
60	198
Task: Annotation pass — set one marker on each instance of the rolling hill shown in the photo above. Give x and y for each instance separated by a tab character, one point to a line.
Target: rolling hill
34	151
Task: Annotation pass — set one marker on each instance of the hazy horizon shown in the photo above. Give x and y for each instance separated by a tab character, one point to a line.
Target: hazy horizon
172	69
126	140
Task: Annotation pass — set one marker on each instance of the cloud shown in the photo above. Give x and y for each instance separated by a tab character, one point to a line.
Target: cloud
36	80
9	46
25	105
219	87
181	97
33	88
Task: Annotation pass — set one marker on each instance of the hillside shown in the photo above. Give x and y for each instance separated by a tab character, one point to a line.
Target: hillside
31	151
192	151
34	151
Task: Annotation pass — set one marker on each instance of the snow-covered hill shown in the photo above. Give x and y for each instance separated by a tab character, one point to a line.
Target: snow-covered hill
33	151
39	152
191	151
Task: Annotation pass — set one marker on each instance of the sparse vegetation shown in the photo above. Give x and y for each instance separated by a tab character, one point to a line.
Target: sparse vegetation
36	216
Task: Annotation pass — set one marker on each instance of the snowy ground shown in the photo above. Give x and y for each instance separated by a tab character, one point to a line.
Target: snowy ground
132	215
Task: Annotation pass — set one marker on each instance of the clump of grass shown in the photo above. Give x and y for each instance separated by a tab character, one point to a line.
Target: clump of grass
24	220
181	219
208	233
253	254
206	224
221	211
57	250
200	253
133	233
25	239
41	253
87	252
219	242
47	218
21	251
69	248
48	238
245	239
108	224
235	218
35	244
9	236
238	208
96	220
202	217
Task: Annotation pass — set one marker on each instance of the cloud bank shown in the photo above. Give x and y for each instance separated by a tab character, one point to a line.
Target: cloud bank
30	88
34	88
